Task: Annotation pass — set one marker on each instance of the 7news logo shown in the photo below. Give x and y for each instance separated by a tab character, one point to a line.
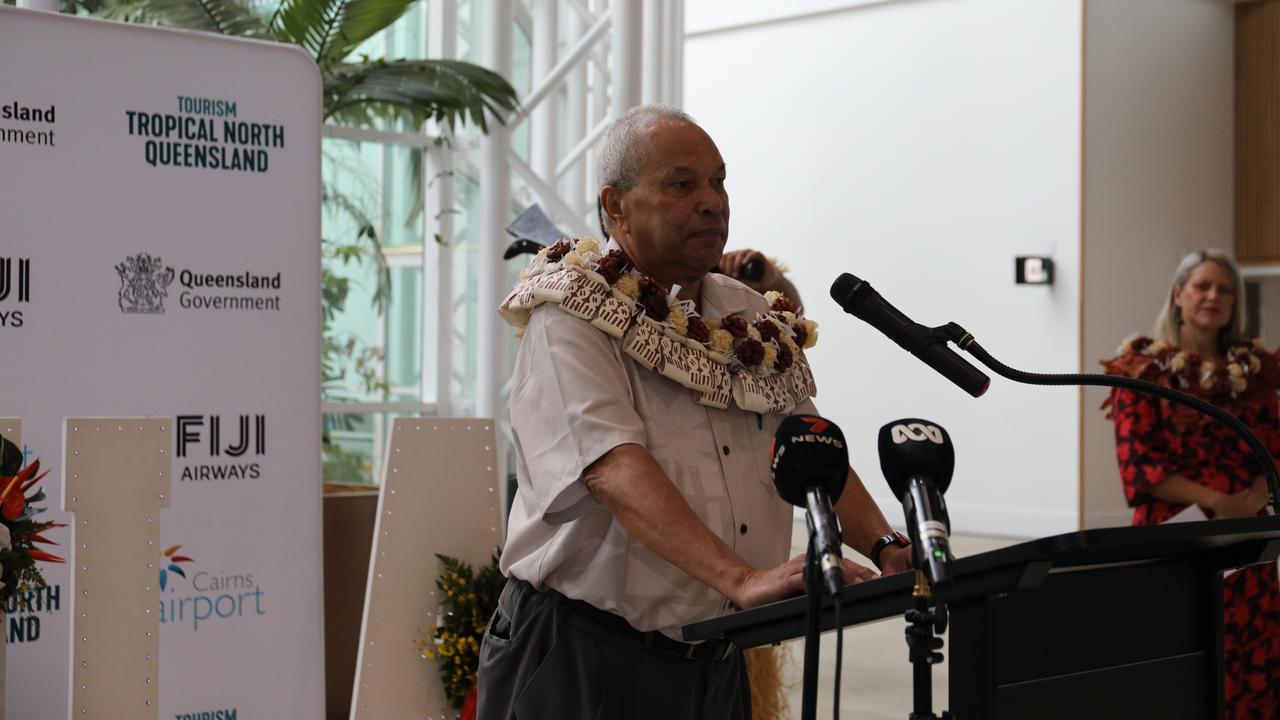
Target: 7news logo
15	287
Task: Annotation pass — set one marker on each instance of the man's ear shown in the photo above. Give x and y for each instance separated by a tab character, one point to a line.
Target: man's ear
611	202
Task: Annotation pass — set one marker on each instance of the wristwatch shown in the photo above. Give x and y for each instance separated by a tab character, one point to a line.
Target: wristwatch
893	538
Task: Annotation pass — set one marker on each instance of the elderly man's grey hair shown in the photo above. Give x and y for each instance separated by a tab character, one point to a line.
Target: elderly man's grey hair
621	155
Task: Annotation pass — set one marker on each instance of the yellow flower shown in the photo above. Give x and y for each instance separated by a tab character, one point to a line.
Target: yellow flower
772	296
753	333
1179	361
573	259
1206	367
1257	343
1238	384
712	325
812	339
628	285
1157	347
541	257
770	355
587	245
1254	363
721	341
788	316
1206	382
678	320
1235	371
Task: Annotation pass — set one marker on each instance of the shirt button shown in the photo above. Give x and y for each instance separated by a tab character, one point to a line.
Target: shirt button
726	449
743	529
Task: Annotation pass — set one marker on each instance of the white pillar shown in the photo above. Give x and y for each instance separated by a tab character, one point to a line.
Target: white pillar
653	56
673	93
495	212
545	119
47	5
625	68
437	257
574	184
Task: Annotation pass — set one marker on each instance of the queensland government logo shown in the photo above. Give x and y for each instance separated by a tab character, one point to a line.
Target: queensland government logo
15	287
206	597
144	283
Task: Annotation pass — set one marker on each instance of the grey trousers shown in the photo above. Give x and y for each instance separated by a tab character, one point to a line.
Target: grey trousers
544	658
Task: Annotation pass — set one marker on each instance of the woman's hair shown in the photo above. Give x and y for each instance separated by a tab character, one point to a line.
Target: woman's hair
1170	317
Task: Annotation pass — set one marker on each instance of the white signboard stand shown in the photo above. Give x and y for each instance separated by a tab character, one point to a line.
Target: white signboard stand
160	257
439	495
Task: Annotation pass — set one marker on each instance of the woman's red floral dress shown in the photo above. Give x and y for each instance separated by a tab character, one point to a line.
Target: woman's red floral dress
1156	439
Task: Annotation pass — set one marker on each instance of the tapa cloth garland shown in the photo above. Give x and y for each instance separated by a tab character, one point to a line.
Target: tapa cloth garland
757	364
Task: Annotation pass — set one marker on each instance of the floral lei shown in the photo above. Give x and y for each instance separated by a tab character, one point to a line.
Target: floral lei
758	362
1248	373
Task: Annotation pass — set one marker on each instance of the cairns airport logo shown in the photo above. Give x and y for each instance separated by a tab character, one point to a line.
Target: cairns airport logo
15	289
198	598
145	281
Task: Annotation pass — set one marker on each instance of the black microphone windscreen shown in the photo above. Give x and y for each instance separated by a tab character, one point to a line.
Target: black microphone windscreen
843	287
912	447
809	451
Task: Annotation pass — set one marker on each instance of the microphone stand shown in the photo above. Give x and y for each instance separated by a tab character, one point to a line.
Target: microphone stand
812	640
965	341
922	623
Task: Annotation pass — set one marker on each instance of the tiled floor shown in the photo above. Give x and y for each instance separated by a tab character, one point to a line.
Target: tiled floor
876	675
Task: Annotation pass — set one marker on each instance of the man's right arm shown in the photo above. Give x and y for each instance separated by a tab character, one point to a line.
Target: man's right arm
634	488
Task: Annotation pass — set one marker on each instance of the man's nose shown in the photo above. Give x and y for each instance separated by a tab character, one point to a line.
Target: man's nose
710	200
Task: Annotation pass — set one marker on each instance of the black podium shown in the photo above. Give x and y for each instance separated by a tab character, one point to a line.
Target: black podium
1110	623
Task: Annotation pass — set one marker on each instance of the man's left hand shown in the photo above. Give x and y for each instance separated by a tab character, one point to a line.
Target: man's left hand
895	559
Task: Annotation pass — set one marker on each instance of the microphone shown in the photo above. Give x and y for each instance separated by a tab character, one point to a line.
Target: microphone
810	467
859	299
917	459
751	271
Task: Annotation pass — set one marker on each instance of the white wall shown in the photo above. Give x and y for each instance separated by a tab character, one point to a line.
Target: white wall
920	145
1158	182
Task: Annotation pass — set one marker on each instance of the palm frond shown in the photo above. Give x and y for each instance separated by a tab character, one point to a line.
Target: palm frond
311	24
225	17
361	20
447	91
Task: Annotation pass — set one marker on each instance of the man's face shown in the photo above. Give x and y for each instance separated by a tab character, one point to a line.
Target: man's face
675	220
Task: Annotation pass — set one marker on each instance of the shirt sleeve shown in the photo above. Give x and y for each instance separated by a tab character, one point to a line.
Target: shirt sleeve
1140	445
571	403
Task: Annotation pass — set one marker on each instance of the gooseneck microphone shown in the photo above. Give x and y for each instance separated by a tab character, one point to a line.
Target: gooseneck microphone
810	467
859	299
917	459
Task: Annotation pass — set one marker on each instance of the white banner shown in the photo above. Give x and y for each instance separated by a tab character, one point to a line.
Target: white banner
160	255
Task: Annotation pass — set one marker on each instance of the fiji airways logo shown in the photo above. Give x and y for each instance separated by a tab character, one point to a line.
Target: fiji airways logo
15	279
208	597
916	432
144	284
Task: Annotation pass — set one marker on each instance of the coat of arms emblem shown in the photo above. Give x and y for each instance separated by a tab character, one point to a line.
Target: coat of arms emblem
144	283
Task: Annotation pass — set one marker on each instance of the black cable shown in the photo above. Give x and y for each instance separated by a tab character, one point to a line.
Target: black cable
966	342
839	655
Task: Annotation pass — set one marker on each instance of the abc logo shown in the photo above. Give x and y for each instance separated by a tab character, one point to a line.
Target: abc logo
916	432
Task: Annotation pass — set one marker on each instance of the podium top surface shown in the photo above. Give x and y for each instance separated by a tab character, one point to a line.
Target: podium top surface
1223	543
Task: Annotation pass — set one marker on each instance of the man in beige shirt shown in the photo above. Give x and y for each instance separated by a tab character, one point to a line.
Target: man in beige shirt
640	509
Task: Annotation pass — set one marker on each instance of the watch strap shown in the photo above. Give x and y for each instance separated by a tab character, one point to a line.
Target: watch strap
893	538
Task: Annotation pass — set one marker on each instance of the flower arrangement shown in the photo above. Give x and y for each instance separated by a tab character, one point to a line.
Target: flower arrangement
20	531
470	596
